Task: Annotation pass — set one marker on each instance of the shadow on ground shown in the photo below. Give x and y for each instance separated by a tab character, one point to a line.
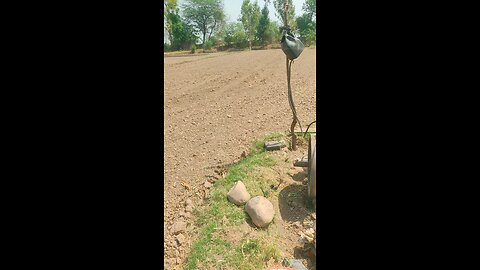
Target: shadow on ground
305	253
300	176
293	203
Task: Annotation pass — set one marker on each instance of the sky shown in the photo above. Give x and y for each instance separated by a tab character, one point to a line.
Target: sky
232	9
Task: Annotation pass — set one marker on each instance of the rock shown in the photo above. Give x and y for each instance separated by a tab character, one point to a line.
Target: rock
238	194
180	239
306	238
179	227
307	223
310	233
297	264
212	180
275	145
260	210
207	184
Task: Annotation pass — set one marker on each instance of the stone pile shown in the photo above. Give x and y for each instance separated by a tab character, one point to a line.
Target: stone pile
259	208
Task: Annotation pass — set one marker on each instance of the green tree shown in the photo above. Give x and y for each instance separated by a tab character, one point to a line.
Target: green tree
263	26
280	12
306	23
310	8
204	15
170	7
250	18
229	32
182	33
307	29
273	33
235	36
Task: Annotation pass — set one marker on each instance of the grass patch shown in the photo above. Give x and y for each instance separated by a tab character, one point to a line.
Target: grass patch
252	254
218	215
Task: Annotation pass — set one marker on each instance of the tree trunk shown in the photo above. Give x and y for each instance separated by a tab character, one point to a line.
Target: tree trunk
170	36
214	25
204	32
203	40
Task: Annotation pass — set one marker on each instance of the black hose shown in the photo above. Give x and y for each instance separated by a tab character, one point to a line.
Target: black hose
306	131
290	96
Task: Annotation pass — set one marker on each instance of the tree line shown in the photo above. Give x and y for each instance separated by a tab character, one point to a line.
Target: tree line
203	22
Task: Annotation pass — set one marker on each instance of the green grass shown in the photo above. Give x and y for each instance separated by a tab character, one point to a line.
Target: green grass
218	215
252	254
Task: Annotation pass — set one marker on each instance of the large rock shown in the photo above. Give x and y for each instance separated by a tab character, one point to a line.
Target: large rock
260	210
238	194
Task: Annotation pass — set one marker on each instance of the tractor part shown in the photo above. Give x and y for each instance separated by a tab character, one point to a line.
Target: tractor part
301	162
292	50
312	168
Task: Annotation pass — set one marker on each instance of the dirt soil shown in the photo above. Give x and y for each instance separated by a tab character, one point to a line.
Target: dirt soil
215	106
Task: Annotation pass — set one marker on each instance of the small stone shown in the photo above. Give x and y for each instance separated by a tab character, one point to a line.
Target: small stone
260	210
307	223
229	116
310	233
179	227
180	239
275	145
238	194
212	180
207	184
306	238
249	121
